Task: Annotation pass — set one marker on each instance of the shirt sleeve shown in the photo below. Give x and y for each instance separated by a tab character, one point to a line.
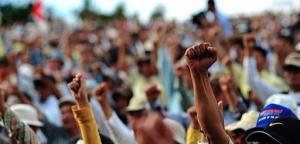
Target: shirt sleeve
87	124
18	130
193	136
121	133
261	88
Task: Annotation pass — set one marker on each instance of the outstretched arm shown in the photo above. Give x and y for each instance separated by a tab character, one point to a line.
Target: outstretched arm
120	132
199	58
83	112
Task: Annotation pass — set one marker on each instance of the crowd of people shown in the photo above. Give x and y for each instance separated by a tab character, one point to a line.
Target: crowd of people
208	80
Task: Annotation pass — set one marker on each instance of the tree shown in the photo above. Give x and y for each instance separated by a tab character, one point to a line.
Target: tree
158	13
11	14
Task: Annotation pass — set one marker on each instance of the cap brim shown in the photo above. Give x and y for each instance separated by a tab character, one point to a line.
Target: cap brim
134	109
34	123
261	136
291	67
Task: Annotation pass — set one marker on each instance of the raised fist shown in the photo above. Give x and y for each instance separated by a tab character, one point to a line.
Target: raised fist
200	57
152	92
101	92
78	90
193	115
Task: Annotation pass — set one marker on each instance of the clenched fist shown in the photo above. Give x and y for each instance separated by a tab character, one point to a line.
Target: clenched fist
100	92
78	90
200	57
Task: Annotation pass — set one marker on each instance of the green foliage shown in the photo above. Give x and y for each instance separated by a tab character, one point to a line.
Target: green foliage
89	14
11	14
158	13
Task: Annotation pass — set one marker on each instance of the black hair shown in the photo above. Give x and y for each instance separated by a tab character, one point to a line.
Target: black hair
3	62
236	40
196	17
261	50
124	93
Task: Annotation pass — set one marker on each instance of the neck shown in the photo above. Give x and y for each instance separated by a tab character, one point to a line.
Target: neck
73	132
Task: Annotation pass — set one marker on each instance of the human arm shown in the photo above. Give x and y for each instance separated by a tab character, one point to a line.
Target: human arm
199	58
82	112
262	89
120	132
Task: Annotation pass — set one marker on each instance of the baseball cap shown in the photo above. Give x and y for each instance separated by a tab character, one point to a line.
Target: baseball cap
292	61
177	130
27	114
283	100
66	100
282	131
136	104
270	113
247	121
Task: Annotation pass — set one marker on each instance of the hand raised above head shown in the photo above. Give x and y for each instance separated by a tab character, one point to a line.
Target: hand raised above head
200	57
78	90
100	92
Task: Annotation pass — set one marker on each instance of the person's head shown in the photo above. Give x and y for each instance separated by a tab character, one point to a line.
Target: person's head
237	130
121	98
282	46
28	115
65	105
267	115
43	87
280	131
292	71
236	49
56	60
136	111
260	56
143	64
211	5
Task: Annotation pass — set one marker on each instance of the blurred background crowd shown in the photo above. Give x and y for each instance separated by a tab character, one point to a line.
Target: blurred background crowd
142	68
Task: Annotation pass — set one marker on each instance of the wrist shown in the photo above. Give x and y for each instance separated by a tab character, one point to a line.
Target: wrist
199	73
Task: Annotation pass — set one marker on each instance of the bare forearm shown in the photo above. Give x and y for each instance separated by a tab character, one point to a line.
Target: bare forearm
207	109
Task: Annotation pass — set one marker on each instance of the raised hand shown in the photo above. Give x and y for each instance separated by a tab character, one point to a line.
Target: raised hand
77	87
193	115
152	92
100	92
200	57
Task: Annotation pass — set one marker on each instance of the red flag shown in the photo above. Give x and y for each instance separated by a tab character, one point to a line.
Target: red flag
38	16
37	10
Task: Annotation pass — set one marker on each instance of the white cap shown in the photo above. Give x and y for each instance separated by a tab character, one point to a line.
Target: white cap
27	114
247	121
177	130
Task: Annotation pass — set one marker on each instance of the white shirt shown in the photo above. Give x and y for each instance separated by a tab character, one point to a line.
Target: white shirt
121	133
51	110
261	88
